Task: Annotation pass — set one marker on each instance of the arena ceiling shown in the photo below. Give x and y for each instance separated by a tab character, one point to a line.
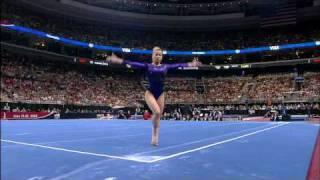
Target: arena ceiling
168	1
110	16
177	2
188	1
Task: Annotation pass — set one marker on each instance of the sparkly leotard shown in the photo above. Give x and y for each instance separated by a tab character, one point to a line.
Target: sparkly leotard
155	74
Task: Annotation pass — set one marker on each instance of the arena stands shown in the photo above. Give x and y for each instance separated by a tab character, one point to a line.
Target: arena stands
311	88
271	86
224	89
24	80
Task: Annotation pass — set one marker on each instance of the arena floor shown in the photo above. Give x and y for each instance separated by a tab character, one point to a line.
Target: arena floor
121	150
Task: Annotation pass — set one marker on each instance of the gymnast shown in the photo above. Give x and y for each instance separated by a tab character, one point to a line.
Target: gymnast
155	73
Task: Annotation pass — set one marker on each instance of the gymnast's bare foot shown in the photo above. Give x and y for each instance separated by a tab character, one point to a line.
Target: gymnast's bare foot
154	142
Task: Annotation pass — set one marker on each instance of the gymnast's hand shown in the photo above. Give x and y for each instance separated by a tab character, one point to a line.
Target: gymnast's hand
195	62
114	59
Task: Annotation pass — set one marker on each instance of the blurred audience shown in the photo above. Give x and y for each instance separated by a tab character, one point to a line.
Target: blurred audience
54	83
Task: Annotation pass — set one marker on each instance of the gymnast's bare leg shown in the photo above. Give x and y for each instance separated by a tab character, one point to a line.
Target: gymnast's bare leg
156	107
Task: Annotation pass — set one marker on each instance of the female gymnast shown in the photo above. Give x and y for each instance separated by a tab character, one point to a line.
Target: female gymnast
155	74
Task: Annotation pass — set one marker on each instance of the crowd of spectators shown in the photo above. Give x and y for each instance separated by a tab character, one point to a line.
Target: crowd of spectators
272	86
27	81
224	89
209	113
180	90
24	80
311	87
195	114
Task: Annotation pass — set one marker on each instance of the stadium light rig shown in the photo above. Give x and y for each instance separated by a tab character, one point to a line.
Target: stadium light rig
53	37
91	45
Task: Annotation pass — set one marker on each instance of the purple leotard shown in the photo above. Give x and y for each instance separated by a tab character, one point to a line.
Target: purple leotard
155	74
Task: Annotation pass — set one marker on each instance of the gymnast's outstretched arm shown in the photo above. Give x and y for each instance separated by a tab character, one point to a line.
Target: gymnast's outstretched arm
116	60
195	62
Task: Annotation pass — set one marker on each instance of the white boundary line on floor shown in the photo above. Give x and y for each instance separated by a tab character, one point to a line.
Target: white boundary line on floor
217	143
93	138
72	151
119	136
145	159
202	140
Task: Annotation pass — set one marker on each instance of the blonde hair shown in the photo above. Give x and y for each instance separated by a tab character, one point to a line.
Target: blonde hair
156	48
